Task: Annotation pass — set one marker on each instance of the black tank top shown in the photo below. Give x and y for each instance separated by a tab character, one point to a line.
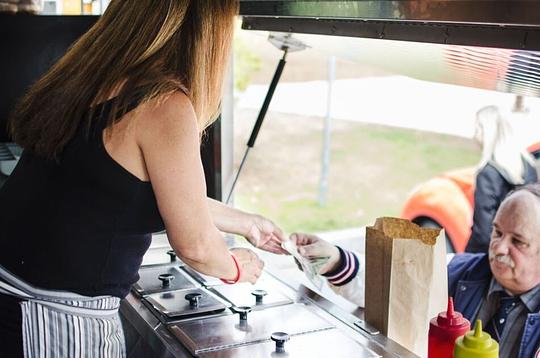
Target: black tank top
81	224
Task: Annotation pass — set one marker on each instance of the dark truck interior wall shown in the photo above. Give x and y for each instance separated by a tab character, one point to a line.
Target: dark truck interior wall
30	45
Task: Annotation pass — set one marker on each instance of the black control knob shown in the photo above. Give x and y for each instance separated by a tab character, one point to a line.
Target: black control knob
243	312
166	279
280	338
259	295
172	254
193	299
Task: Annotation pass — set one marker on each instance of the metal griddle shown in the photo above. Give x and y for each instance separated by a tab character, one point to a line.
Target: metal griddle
186	303
226	332
162	278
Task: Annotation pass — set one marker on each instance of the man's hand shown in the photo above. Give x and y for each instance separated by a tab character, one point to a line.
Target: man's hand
312	247
265	235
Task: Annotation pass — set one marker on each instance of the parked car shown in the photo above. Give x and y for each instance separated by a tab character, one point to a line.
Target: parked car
447	201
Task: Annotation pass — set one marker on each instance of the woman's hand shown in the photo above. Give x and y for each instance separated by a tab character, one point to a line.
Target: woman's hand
250	265
258	230
264	234
312	247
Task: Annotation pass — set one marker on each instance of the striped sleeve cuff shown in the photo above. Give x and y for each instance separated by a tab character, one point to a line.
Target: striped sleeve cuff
346	271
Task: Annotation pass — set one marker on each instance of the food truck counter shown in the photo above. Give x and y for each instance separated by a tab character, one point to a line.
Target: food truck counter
174	311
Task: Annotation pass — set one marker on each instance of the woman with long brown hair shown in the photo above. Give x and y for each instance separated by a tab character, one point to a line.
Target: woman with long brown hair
111	136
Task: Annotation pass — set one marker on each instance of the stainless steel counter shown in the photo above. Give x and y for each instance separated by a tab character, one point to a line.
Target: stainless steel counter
307	324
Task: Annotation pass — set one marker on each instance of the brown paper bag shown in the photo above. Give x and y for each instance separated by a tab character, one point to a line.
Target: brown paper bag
406	280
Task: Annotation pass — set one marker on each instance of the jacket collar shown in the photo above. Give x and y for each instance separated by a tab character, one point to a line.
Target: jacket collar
480	271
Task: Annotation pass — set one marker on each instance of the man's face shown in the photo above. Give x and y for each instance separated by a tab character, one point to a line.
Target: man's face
514	249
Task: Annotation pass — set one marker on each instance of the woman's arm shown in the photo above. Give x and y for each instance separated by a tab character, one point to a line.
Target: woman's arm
258	230
168	137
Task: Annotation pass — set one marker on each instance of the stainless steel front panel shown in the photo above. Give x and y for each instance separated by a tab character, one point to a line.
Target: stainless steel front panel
216	333
149	281
323	344
175	305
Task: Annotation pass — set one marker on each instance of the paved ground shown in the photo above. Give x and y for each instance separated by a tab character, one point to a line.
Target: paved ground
391	100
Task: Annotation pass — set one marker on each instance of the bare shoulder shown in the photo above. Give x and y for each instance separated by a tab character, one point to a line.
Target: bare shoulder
167	117
177	103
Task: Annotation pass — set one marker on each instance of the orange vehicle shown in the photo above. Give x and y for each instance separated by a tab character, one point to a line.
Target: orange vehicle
447	201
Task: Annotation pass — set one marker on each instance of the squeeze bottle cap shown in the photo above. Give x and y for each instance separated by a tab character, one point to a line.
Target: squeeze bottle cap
477	344
451	317
449	325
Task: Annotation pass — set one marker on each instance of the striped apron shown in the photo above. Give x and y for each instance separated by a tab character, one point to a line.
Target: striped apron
65	324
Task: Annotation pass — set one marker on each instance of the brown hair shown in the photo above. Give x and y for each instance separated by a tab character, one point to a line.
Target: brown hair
155	47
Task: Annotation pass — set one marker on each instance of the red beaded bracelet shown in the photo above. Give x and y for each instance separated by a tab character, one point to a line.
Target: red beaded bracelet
237	278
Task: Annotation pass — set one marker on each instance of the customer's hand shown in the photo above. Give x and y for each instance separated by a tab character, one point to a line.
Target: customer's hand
250	264
312	247
265	235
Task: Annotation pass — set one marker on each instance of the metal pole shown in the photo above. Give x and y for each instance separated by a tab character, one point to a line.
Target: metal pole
323	186
260	118
268	99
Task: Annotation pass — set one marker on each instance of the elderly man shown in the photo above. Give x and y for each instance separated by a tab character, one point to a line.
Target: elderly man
502	288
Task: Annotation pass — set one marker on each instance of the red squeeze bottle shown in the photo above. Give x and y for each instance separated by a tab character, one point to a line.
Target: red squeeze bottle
444	330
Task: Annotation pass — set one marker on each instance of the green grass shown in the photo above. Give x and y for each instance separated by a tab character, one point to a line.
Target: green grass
372	170
246	64
307	215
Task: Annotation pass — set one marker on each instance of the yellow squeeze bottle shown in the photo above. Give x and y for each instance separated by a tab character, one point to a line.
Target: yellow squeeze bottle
476	344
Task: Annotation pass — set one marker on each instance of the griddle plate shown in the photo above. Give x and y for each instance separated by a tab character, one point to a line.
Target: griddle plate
225	332
322	344
149	283
173	304
240	294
